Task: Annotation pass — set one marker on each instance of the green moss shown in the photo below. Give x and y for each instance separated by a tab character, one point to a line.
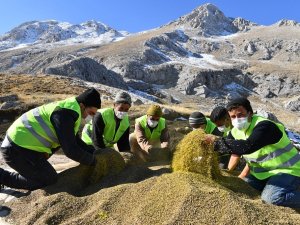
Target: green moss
108	161
193	154
102	215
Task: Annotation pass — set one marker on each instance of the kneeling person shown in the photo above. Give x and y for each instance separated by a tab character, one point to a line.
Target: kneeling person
110	125
38	133
150	139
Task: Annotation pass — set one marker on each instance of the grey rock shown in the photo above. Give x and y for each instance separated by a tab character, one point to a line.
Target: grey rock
9	98
89	70
170	114
8	105
266	114
138	102
242	24
293	105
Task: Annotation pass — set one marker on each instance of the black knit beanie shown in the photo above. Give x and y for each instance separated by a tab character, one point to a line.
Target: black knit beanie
239	102
197	118
90	98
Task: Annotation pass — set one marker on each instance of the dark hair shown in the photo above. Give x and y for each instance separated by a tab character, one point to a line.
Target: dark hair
218	113
237	102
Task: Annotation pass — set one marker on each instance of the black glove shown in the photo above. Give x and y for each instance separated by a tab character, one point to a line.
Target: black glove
221	147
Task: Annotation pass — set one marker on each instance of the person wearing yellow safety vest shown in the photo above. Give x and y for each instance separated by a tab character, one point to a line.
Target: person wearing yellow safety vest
273	161
110	125
150	140
198	121
220	117
38	133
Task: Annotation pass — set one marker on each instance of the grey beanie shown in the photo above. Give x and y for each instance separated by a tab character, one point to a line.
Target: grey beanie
123	97
197	118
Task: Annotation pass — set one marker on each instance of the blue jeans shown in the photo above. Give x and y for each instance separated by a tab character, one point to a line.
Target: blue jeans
281	189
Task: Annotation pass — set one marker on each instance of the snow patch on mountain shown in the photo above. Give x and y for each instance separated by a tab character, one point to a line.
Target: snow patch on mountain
61	33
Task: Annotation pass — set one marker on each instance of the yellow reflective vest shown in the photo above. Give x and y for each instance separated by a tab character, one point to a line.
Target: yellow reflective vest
34	130
110	135
281	157
156	132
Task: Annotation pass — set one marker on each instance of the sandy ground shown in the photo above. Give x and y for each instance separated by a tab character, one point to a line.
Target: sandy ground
59	162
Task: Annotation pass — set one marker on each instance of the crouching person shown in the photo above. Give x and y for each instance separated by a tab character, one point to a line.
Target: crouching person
110	125
34	136
150	140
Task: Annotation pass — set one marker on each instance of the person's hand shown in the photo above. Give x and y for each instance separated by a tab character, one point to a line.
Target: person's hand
245	172
209	139
100	168
234	160
149	149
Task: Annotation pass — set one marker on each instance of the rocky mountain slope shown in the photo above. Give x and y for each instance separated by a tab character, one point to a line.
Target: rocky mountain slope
43	32
199	55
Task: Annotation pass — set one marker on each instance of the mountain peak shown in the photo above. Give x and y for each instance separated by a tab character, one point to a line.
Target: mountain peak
208	19
50	31
287	23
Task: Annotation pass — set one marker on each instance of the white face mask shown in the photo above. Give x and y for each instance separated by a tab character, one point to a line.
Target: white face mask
88	118
152	123
121	115
223	129
241	123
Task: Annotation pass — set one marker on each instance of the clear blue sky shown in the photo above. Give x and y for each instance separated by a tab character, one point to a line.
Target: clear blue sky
138	15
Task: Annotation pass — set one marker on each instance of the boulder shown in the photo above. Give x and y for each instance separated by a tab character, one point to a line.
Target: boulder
293	105
9	98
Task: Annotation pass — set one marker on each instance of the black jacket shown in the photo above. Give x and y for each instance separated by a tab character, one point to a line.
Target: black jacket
63	121
264	133
97	134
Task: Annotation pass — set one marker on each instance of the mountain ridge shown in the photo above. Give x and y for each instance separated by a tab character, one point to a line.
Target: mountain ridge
188	57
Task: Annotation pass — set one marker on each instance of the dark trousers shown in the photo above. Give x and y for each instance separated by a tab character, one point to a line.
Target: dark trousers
33	169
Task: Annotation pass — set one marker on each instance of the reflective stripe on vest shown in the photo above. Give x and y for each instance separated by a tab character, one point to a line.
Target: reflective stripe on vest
209	127
110	135
26	123
292	161
34	130
271	155
87	133
156	132
281	157
44	126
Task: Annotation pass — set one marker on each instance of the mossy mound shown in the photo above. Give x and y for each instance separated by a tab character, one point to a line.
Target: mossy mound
175	198
108	161
193	154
